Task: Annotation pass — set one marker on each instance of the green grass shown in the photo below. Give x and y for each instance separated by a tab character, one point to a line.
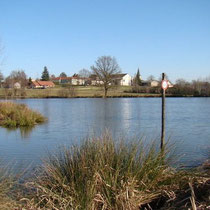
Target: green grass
14	115
74	91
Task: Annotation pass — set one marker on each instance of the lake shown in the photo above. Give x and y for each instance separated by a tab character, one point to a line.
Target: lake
72	120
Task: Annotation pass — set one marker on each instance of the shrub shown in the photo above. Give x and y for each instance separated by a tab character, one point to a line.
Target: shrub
23	93
144	89
67	92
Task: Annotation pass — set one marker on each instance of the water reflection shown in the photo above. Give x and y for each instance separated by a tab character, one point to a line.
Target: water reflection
126	113
111	114
24	131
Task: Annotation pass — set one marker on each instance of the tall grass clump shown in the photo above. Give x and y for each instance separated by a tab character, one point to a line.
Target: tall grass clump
104	174
18	115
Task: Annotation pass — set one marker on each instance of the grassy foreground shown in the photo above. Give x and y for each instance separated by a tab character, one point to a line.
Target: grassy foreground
18	115
105	174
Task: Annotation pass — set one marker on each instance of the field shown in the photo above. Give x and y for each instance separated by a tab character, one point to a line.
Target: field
72	91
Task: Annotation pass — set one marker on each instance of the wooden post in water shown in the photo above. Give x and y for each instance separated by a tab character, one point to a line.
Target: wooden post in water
163	113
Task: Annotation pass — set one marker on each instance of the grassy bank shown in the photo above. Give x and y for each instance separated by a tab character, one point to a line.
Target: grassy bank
88	92
103	173
69	92
14	115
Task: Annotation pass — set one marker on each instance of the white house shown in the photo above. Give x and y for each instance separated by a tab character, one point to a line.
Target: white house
154	83
150	83
94	80
117	79
122	79
126	80
17	85
77	81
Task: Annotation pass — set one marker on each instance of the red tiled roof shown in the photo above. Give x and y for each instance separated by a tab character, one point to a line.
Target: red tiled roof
39	83
35	83
46	83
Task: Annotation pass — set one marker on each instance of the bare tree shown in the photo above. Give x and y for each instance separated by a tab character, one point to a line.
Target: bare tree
181	82
207	79
105	67
151	78
197	85
84	73
52	76
16	76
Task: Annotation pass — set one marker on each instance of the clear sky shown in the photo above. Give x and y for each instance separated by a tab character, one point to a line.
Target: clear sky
171	36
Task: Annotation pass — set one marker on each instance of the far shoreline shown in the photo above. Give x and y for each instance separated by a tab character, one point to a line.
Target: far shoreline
119	96
87	92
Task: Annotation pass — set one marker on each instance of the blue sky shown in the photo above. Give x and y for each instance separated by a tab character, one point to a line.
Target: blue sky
171	36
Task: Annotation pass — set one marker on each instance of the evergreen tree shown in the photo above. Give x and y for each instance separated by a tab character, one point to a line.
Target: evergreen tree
137	79
45	75
29	81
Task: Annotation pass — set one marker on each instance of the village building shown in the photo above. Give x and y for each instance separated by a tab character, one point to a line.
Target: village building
117	79
62	80
78	81
94	80
17	85
150	83
42	84
170	85
122	79
70	80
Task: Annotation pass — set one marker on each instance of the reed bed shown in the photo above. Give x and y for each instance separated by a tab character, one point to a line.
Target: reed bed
104	174
14	115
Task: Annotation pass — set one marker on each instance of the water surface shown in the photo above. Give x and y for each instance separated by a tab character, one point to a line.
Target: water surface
71	120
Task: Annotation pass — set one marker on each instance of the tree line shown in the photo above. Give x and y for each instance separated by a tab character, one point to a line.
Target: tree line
104	68
181	87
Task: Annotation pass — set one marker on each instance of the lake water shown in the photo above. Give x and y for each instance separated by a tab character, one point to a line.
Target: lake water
71	120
